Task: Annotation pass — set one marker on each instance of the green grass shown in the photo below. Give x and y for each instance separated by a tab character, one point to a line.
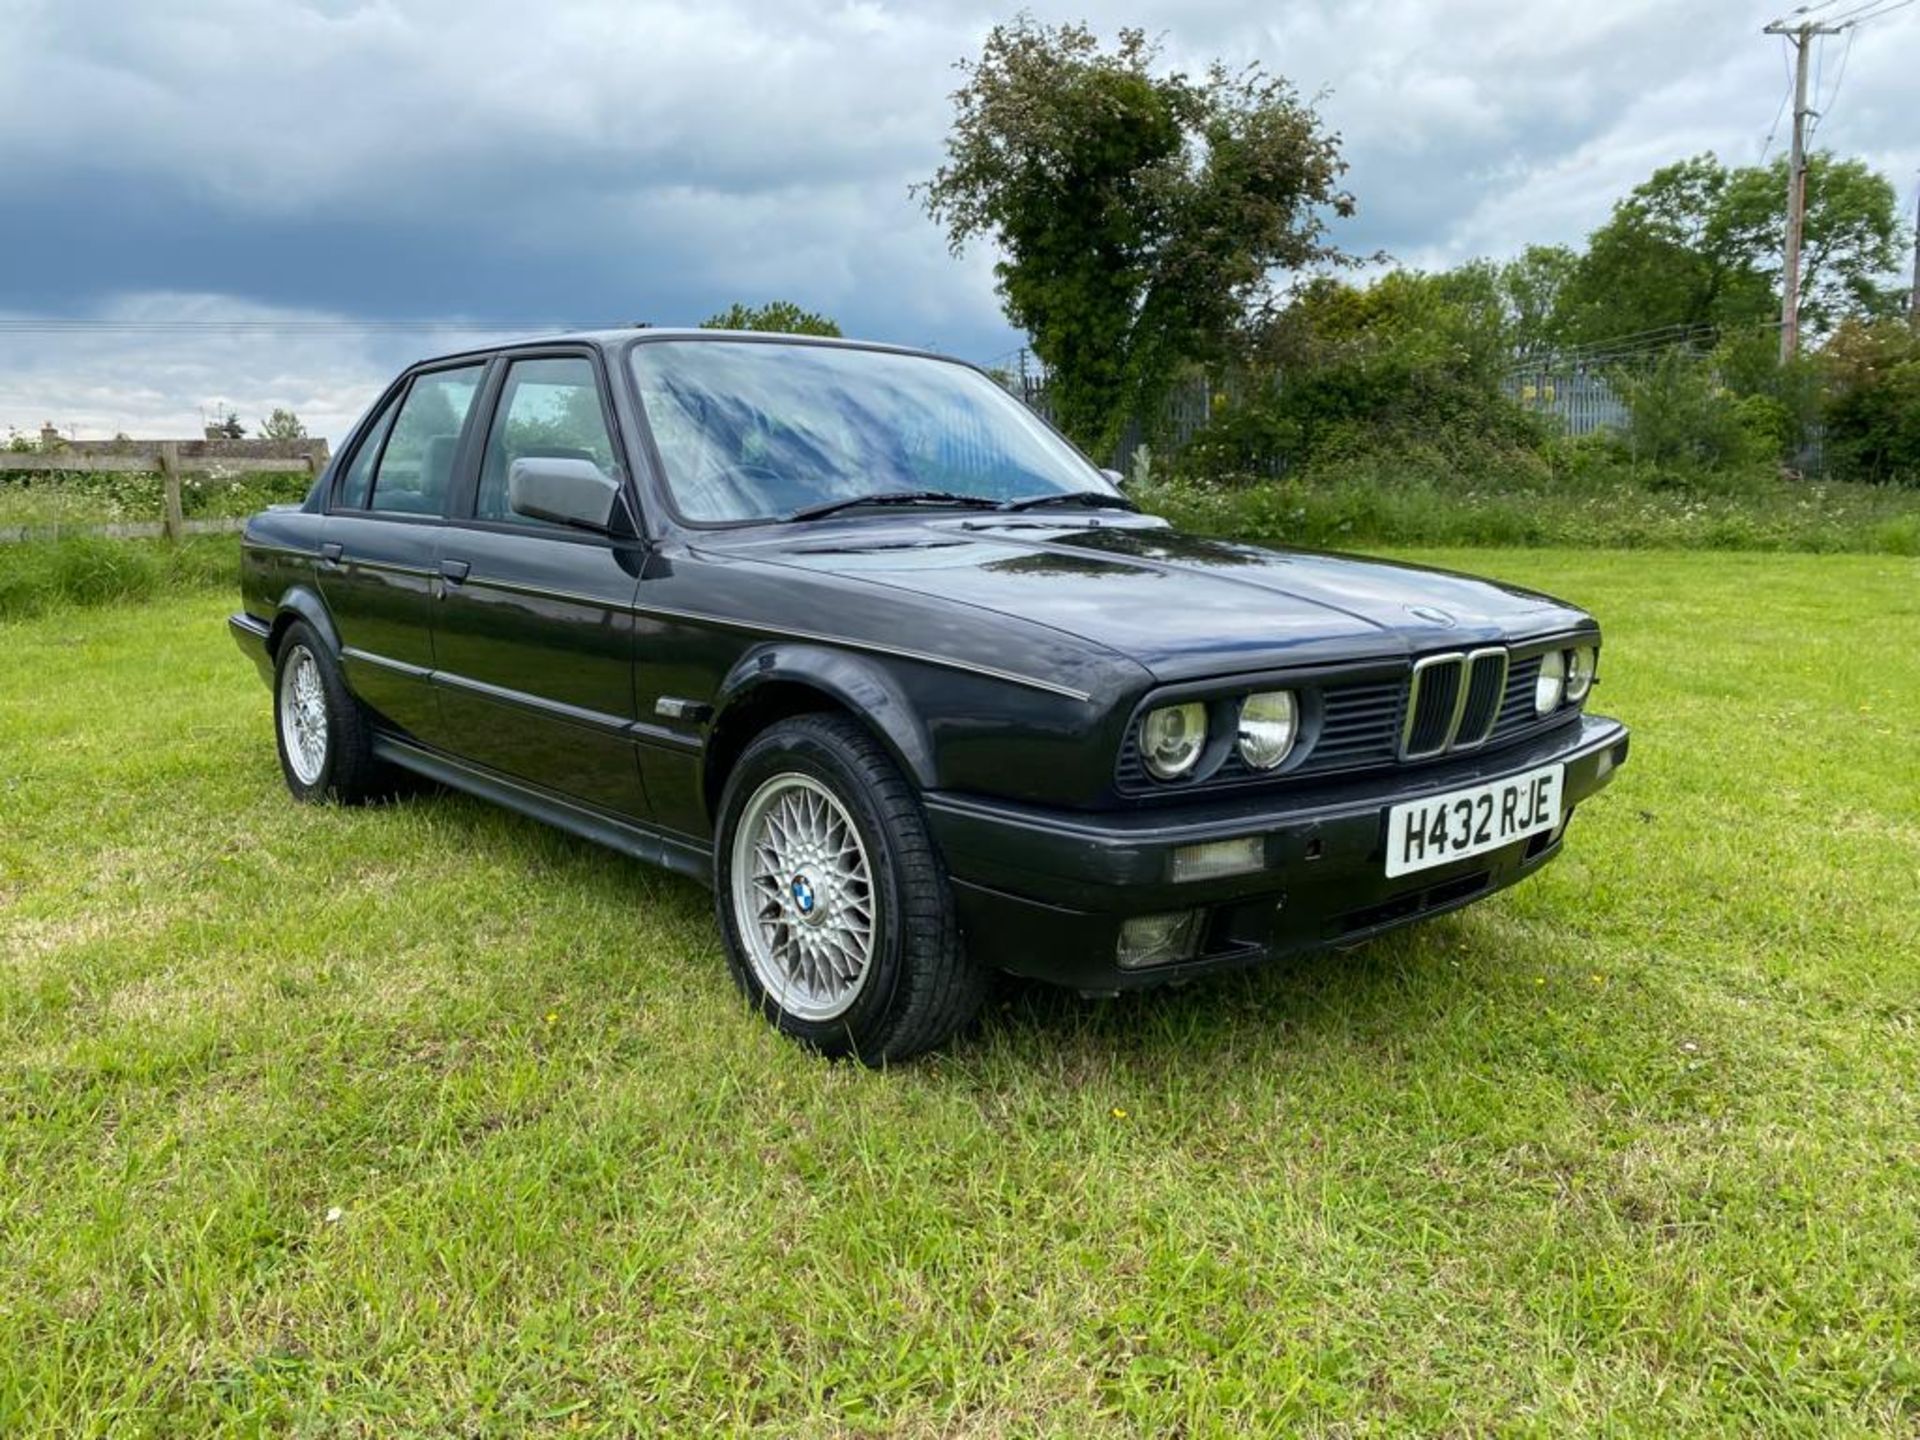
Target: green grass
80	570
423	1119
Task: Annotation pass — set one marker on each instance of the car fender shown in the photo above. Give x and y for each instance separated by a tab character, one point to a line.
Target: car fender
860	683
303	602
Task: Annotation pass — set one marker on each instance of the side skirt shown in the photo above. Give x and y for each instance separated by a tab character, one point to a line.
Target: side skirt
683	856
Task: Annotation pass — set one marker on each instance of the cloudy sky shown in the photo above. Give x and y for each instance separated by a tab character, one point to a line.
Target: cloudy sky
332	165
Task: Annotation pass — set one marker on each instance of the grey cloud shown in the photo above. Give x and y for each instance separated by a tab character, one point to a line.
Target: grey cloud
604	159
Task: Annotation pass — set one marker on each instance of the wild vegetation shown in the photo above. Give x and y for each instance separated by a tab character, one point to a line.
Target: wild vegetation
1156	229
1627	1150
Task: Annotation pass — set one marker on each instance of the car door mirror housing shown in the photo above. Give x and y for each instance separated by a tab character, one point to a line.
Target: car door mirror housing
565	491
1118	481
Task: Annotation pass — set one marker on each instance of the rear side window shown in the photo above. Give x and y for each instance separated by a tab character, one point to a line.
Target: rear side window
353	487
417	465
547	408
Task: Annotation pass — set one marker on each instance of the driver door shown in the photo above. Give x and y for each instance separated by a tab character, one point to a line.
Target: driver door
533	635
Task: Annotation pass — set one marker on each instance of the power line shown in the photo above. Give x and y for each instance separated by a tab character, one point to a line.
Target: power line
1838	79
1766	146
1861	15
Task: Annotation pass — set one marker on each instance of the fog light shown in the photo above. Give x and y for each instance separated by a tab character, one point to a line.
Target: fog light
1158	939
1218	859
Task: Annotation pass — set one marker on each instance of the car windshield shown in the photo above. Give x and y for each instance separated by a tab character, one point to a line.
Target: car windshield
762	430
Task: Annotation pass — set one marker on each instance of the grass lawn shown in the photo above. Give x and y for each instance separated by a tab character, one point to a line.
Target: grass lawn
424	1119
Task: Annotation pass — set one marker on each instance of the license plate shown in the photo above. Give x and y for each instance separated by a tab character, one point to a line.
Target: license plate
1425	833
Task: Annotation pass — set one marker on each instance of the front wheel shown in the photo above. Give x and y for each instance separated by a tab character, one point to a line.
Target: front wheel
834	905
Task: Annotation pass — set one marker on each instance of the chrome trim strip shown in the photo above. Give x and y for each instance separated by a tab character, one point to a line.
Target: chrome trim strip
261	547
557	709
387	567
1474	657
876	647
417	672
663	738
542	592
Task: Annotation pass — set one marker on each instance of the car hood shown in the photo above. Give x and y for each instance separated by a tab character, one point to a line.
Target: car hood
1181	605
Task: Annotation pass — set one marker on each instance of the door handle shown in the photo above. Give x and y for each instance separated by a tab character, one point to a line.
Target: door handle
454	571
331	551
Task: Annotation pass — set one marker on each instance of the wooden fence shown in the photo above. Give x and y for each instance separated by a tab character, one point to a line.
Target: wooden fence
169	459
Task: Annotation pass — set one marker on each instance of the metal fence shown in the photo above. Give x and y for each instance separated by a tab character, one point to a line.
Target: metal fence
1580	400
1183	414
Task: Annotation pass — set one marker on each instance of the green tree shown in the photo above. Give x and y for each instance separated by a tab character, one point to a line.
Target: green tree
1668	257
1531	291
1140	216
1852	239
1873	402
781	316
1699	245
282	425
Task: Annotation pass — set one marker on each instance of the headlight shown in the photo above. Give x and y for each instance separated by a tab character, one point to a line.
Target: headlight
1171	739
1269	721
1580	665
1552	684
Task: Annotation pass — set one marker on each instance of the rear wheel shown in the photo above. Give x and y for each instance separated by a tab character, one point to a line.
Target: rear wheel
325	742
834	905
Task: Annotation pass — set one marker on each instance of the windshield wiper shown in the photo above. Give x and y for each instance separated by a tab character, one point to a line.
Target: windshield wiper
1099	499
890	497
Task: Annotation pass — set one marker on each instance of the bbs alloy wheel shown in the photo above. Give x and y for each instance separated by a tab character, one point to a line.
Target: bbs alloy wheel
803	897
834	904
325	740
303	715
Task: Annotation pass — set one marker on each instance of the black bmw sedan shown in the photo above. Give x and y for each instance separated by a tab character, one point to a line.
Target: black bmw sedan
848	633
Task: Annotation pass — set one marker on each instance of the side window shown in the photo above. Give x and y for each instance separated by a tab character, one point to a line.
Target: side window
351	490
547	408
418	464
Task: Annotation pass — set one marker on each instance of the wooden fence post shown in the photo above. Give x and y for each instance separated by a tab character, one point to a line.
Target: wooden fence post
175	522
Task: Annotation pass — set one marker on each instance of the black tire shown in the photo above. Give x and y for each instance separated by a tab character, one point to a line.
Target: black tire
919	985
347	772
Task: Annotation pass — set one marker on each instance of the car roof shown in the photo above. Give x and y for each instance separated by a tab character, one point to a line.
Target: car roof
614	338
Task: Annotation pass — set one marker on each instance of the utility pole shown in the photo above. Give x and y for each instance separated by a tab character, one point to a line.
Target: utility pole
1913	293
1802	36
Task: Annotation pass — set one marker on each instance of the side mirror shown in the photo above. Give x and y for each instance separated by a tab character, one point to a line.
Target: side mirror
565	491
1119	480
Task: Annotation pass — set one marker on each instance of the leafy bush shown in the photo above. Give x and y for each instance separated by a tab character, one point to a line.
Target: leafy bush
1376	502
1681	418
1873	409
109	497
1407	367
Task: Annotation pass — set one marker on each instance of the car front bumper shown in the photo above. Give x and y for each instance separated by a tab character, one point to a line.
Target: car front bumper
1044	893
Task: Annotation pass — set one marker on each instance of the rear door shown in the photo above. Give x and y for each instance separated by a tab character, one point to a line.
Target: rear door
381	538
533	634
